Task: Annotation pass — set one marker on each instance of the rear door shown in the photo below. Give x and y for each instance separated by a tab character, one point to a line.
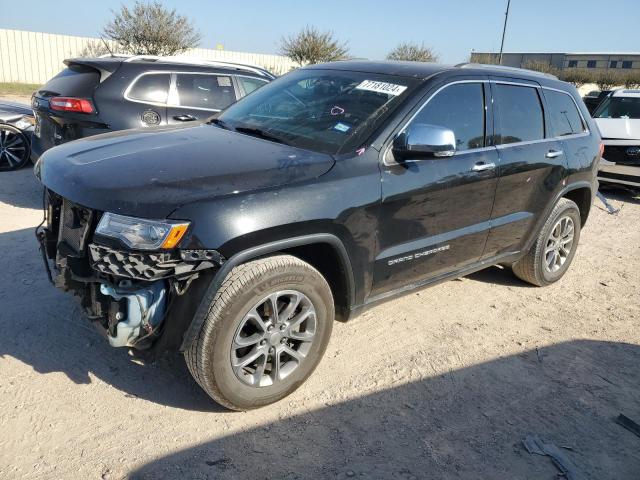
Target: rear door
532	163
146	102
197	96
435	212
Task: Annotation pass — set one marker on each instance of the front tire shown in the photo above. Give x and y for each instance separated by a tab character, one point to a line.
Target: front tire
553	251
266	330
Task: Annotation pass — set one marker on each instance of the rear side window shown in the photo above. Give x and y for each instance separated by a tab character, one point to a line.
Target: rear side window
210	92
459	107
520	117
250	84
153	88
565	118
74	81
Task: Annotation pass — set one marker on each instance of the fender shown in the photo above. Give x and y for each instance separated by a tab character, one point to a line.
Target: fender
260	251
543	218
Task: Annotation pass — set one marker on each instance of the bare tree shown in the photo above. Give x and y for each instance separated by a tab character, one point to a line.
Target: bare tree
95	48
484	58
313	46
577	76
413	53
631	79
607	79
151	29
539	66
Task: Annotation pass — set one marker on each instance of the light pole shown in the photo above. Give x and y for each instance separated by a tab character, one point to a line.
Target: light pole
504	30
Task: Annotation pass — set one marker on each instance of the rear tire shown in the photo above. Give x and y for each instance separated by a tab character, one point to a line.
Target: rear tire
241	324
553	251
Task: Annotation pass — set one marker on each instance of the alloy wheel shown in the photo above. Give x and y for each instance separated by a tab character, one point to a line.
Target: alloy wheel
14	150
559	244
273	338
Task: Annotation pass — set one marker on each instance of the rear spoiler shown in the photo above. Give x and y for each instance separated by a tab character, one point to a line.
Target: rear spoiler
106	66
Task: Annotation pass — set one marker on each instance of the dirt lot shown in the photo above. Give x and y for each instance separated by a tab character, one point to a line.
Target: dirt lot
443	383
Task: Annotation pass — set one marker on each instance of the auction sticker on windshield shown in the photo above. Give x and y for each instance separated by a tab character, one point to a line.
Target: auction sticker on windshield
381	87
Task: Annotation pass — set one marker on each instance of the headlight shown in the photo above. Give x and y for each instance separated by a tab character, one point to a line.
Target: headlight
25	122
140	233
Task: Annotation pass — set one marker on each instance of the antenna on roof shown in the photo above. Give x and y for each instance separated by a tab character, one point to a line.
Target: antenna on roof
106	45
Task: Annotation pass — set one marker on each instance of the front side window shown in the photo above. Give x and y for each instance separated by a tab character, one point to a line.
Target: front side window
520	117
460	108
619	107
152	88
329	111
565	118
209	92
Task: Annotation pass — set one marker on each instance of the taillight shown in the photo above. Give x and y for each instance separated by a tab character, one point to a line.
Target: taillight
69	104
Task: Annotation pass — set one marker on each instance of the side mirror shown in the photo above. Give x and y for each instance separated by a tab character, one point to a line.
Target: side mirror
423	141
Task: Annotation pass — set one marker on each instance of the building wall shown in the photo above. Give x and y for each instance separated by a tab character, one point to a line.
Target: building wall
35	57
565	60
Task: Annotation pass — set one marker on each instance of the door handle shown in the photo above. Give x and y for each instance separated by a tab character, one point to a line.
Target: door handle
481	167
184	118
553	153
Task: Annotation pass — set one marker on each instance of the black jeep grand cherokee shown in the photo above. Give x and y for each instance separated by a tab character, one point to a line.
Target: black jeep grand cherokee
238	240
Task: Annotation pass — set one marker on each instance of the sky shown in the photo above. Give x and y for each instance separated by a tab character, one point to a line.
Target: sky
371	28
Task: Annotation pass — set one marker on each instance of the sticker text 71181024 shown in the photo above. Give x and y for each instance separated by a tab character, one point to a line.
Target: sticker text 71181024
381	87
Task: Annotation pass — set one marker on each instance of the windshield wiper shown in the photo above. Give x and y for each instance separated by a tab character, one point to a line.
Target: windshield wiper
256	132
220	123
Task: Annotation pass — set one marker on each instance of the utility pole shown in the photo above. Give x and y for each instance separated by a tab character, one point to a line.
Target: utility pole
504	30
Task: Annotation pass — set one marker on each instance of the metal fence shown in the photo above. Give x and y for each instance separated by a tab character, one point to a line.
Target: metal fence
35	57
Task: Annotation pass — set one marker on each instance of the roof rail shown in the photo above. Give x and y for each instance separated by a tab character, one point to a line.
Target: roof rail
200	61
505	69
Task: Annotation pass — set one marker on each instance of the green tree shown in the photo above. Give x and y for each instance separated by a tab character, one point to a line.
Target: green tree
413	52
313	46
151	29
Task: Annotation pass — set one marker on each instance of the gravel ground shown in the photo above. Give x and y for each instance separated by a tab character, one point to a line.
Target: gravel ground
443	383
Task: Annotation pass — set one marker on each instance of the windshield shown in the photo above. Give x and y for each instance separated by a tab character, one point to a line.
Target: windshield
619	107
330	111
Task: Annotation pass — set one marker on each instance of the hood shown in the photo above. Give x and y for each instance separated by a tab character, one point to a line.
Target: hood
10	111
151	172
620	128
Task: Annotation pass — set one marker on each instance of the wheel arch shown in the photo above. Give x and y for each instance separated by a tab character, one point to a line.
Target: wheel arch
323	251
582	197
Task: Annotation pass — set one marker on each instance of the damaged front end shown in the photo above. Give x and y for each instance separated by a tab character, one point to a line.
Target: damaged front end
129	294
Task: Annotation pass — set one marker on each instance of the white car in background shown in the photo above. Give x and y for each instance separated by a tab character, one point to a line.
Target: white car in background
618	118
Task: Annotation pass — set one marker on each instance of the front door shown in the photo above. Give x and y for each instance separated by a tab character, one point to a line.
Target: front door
435	213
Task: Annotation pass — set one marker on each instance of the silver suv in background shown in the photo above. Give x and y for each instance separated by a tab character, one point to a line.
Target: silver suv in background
618	118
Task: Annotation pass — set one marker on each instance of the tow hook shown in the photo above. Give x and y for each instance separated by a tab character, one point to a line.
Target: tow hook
145	309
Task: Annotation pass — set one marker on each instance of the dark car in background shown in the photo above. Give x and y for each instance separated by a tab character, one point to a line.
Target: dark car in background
99	95
595	98
16	128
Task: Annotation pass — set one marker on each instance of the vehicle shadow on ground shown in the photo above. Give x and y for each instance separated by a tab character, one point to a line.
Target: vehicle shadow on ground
500	276
46	328
468	423
21	188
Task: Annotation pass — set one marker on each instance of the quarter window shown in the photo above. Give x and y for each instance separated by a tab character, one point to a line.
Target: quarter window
520	117
459	107
565	118
250	84
209	92
152	88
